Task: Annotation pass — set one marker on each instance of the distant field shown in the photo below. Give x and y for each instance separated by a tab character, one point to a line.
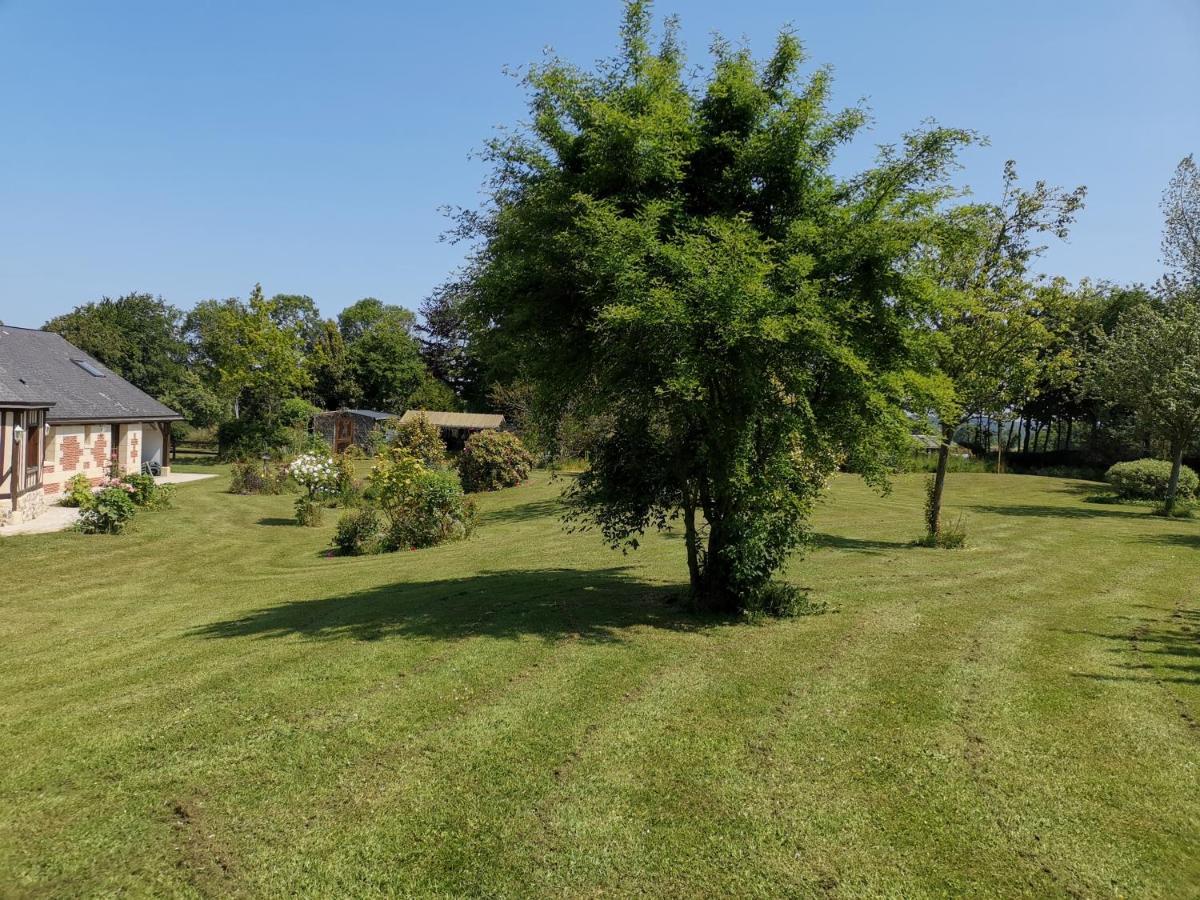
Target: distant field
211	707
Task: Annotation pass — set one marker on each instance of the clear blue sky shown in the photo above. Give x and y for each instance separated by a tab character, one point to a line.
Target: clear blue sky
193	148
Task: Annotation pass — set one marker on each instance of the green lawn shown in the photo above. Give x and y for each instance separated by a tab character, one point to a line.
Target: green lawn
210	706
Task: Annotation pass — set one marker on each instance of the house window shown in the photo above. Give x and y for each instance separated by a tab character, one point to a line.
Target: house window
89	367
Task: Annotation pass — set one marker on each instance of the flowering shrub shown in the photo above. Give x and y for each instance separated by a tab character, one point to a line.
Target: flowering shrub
391	479
146	492
117	483
435	510
320	477
423	507
108	512
79	491
422	439
492	460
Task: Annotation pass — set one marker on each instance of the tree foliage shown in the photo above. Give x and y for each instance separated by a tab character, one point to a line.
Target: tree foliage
995	330
246	357
1151	365
383	357
445	337
682	260
1181	228
139	336
329	367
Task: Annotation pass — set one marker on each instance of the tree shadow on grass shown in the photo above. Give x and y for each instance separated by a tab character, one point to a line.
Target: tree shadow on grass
522	512
591	605
1058	512
857	545
1163	649
1086	489
276	520
1191	541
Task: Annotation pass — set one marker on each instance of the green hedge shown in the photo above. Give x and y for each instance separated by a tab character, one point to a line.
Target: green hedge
1147	479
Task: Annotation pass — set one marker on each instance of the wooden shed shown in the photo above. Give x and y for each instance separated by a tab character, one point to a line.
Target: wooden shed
343	427
456	427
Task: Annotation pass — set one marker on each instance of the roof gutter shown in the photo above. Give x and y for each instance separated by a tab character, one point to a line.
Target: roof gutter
109	420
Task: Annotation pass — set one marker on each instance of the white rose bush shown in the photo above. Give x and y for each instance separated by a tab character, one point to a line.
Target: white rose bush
319	476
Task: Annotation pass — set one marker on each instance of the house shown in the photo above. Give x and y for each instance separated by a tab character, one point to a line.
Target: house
342	428
63	413
931	443
456	427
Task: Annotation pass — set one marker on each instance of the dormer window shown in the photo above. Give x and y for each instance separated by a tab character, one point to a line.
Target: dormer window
88	367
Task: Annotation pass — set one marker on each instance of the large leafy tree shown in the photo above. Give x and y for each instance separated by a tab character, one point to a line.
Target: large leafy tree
137	336
1181	229
1151	365
359	317
445	337
245	356
1061	394
680	260
328	364
385	360
140	337
994	329
298	313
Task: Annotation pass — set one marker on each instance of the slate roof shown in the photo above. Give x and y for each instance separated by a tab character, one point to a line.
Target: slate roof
43	366
470	421
371	414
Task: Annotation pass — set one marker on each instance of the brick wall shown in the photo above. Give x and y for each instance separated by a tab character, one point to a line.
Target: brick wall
72	449
100	450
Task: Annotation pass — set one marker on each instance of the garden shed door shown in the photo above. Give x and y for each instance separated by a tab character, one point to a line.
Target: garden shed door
344	435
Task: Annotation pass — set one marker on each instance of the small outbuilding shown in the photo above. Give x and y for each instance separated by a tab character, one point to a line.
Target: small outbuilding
456	427
931	443
345	427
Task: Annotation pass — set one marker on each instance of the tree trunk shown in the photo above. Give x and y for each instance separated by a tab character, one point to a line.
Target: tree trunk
717	591
1173	484
1070	427
934	522
691	538
1025	423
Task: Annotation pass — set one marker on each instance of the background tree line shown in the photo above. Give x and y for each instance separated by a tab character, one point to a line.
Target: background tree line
254	367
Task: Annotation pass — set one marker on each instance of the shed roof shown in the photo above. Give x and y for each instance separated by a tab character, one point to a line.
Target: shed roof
468	421
44	367
372	414
366	413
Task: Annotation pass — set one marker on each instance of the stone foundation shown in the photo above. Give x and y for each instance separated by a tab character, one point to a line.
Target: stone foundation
29	506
